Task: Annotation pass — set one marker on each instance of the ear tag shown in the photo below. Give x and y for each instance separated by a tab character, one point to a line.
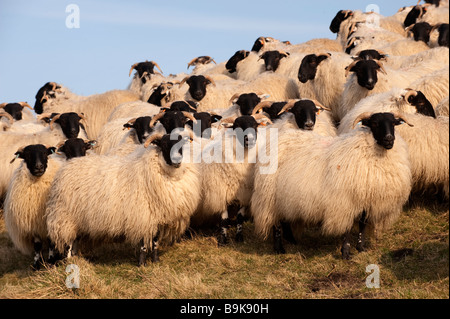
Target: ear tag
319	111
53	151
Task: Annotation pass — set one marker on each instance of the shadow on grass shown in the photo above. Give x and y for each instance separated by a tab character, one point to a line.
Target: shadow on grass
427	263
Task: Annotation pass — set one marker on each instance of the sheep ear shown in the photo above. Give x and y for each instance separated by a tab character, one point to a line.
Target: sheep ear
400	121
365	122
215	118
17	155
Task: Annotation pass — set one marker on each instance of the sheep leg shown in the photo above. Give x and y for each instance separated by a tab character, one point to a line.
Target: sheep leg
223	239
155	257
361	236
53	255
143	254
287	233
240	221
277	239
37	260
345	250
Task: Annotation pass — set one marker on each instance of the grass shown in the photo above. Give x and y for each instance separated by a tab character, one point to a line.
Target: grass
413	258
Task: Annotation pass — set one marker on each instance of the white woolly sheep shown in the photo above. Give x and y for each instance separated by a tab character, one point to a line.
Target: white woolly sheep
145	208
428	140
28	191
335	181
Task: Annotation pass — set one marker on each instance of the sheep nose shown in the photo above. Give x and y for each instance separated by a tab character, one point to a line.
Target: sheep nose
309	125
389	138
39	166
269	68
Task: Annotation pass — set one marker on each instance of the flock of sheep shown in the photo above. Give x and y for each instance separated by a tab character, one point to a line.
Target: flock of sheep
356	124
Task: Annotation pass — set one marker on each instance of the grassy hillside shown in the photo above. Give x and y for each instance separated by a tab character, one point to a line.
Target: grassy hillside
413	258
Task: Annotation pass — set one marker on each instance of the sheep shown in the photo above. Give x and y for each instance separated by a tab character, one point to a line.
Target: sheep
371	77
428	140
334	181
227	179
27	194
203	65
213	95
326	71
95	107
146	208
133	109
62	126
435	85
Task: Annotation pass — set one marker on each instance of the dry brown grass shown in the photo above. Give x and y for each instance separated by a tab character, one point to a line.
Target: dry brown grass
413	258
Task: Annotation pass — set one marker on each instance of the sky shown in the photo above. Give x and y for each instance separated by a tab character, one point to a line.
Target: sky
40	41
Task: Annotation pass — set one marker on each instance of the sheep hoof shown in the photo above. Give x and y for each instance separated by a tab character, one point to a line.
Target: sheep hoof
360	247
345	253
37	265
239	238
155	258
280	251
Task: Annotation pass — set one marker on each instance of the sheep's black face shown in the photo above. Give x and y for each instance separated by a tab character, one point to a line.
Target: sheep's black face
423	106
371	55
246	130
367	73
382	127
413	15
15	110
75	147
435	2
70	124
308	67
197	86
258	45
443	35
422	31
171	149
205	120
47	90
305	114
235	59
247	103
145	67
141	127
272	59
341	16
36	158
274	109
173	120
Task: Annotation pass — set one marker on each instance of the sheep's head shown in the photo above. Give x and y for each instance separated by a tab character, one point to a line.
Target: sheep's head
45	93
382	126
70	123
261	42
204	59
145	70
309	65
141	127
304	112
443	38
247	101
272	109
75	147
421	31
171	147
15	109
197	85
205	120
246	128
272	59
35	157
182	106
172	120
160	92
420	102
235	59
370	55
416	13
366	72
341	16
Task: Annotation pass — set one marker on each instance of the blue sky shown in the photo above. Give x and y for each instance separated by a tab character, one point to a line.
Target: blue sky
37	47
